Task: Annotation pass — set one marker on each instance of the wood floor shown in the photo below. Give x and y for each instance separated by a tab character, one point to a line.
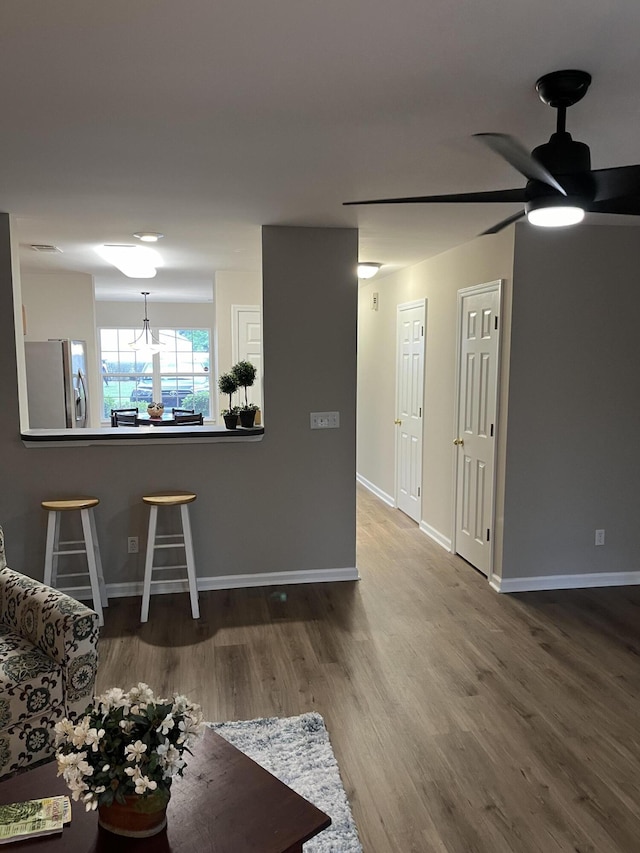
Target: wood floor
462	720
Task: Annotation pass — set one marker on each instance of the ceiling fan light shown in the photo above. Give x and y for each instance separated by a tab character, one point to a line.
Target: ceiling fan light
555	216
367	269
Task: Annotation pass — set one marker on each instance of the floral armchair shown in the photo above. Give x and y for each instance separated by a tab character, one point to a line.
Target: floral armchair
48	661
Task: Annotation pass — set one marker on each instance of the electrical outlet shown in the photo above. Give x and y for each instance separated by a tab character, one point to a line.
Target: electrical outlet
132	544
599	537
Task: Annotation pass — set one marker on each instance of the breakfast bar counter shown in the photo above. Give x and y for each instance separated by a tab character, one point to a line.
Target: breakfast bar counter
137	435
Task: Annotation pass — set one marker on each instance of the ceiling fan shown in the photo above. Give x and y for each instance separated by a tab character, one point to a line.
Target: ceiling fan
561	184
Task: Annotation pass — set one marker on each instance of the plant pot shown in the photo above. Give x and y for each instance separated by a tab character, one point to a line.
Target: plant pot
230	421
140	817
247	417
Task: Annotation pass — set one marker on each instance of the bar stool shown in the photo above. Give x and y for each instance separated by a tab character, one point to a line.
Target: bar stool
182	540
54	547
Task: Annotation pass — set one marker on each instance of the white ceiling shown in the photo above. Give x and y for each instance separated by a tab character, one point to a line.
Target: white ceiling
205	120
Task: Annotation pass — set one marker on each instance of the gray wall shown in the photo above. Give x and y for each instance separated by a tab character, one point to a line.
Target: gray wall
284	504
574	403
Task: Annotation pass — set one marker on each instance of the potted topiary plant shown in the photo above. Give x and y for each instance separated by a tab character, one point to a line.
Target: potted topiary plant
247	415
228	384
245	373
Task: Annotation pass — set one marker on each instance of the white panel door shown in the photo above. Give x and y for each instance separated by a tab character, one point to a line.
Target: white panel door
478	310
409	403
247	346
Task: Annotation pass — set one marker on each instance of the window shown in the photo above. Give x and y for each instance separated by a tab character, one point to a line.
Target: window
179	375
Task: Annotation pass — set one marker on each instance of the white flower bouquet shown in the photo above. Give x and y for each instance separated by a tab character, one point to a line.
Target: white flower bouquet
126	744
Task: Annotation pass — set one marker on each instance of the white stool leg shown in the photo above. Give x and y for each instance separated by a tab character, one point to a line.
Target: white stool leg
191	563
148	563
56	548
53	534
96	548
91	562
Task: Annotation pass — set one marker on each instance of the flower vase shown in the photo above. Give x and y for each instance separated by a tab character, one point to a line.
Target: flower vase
140	817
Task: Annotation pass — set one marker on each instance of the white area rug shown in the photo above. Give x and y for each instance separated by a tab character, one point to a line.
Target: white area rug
298	752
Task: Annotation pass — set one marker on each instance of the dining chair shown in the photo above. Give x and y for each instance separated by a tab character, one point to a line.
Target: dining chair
184	420
124	419
129	411
183	411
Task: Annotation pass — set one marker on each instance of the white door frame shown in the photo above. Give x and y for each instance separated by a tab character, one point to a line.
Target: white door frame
471	291
404	306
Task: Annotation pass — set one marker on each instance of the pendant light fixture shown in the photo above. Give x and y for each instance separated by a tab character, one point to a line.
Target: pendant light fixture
146	340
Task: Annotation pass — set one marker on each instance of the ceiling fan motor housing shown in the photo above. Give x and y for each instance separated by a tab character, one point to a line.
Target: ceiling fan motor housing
570	163
561	155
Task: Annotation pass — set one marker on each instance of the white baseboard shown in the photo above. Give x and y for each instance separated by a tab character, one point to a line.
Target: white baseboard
592	579
434	534
134	588
390	501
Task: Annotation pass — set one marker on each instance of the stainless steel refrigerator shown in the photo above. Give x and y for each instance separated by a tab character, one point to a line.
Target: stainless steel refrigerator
57	384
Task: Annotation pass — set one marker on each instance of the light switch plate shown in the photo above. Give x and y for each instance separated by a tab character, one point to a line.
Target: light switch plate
325	420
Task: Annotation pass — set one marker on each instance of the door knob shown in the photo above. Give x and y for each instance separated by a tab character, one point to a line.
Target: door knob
459	441
397	422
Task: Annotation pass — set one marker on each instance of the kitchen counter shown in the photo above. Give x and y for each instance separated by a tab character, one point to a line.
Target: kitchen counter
136	435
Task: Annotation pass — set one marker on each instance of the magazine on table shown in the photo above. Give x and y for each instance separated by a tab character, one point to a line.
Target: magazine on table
33	818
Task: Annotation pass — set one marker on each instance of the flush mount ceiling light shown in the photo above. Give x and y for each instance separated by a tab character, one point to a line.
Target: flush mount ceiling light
149	236
146	340
133	261
367	269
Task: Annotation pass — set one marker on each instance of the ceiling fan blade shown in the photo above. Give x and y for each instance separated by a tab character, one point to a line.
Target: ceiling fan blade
627	206
616	183
455	198
495	228
517	155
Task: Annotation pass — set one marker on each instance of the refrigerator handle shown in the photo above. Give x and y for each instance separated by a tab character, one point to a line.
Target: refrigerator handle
81	401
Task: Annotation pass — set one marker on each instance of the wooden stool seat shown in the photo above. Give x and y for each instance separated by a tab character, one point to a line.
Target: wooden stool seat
88	545
170	499
70	503
176	540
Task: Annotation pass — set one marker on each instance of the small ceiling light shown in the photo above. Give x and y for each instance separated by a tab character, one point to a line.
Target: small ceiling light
554	213
368	269
146	341
133	261
149	236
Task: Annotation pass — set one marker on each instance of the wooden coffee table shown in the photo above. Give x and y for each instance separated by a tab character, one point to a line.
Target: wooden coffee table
225	803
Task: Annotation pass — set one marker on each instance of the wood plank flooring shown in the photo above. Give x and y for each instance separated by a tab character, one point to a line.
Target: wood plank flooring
463	721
